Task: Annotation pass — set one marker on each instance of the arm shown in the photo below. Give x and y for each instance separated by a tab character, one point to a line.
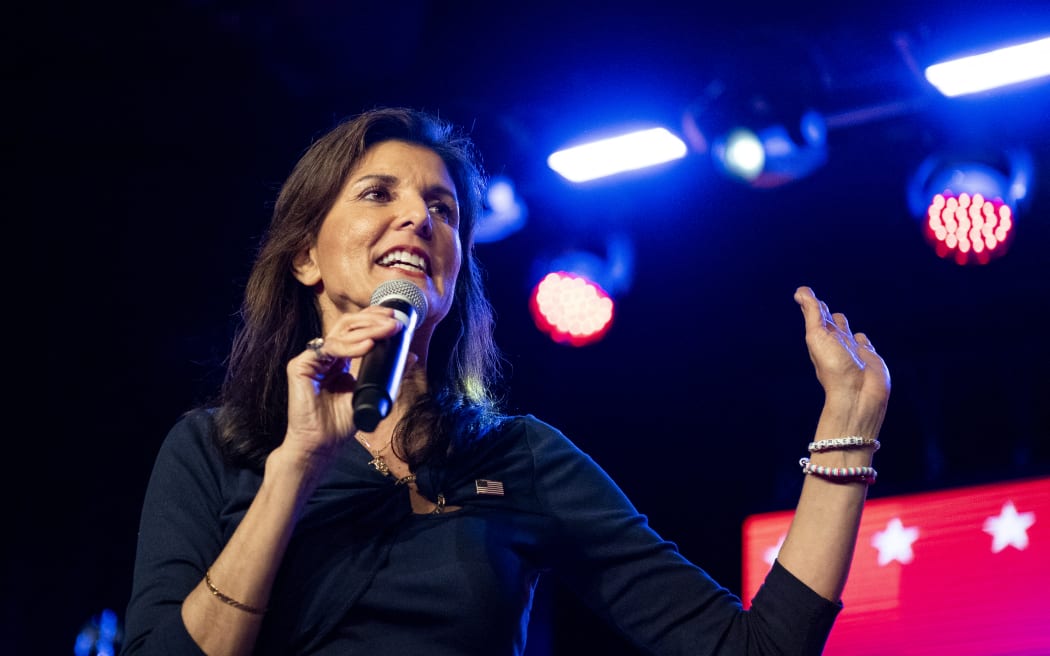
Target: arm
605	552
183	533
819	545
320	420
181	537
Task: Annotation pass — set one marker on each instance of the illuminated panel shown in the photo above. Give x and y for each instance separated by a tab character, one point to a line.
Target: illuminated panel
626	152
571	309
992	69
969	229
964	572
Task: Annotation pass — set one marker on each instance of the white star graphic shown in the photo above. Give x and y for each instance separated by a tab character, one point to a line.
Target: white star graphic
1008	528
772	552
894	543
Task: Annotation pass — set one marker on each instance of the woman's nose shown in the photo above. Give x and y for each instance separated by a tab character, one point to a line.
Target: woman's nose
416	214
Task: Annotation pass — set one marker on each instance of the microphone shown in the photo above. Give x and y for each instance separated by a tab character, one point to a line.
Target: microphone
379	377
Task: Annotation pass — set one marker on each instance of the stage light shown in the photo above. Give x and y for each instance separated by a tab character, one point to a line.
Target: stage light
992	69
968	207
571	309
742	154
971	230
505	212
573	301
626	152
754	146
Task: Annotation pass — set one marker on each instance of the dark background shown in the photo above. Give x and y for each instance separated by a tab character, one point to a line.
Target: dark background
146	143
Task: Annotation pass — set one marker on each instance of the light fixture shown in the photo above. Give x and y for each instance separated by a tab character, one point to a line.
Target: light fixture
504	214
625	152
573	301
967	205
754	138
772	155
571	309
992	69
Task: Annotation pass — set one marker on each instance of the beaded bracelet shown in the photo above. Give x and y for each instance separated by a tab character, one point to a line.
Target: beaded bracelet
230	600
843	443
839	474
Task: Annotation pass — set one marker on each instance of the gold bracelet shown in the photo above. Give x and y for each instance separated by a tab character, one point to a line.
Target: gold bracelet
230	600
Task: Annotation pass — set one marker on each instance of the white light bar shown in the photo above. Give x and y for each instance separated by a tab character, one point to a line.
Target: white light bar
626	152
992	69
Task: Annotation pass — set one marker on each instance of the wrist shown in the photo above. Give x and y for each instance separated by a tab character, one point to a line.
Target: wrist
839	418
301	469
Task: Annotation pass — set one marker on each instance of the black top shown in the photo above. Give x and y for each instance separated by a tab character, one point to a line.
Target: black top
364	575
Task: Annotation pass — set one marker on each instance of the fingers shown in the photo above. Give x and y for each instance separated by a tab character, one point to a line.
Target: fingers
351	337
818	315
812	308
354	335
842	323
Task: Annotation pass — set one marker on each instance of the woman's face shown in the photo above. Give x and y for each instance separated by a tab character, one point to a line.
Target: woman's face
397	216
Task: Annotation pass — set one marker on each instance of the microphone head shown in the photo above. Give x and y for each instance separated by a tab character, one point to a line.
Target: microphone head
402	290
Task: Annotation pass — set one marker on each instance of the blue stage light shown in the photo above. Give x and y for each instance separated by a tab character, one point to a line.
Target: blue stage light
992	69
772	156
505	212
626	152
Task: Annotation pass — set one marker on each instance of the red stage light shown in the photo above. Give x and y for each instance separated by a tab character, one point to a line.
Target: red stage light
571	309
969	229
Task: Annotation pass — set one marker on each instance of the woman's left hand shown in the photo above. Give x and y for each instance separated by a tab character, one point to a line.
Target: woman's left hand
855	379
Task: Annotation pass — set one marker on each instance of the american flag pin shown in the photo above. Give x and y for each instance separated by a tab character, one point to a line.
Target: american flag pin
485	486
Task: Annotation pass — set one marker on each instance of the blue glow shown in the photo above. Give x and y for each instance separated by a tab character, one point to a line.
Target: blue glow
992	69
100	636
505	215
941	172
744	156
626	152
814	128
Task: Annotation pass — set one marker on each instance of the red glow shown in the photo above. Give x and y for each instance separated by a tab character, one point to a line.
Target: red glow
571	309
969	229
964	585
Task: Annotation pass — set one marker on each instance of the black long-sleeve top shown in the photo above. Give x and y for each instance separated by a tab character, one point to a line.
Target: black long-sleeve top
363	574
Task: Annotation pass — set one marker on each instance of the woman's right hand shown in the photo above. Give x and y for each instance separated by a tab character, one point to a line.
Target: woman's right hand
320	382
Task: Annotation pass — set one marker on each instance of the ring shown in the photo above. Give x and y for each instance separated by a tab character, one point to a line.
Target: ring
315	345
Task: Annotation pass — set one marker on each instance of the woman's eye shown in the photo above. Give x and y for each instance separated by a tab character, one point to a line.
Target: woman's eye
376	193
443	210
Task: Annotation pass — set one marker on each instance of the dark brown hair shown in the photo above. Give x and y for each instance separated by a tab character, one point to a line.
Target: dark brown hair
279	314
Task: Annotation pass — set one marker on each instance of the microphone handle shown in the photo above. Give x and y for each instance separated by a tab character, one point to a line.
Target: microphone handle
379	378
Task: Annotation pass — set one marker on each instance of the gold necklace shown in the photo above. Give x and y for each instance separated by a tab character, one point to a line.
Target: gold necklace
377	461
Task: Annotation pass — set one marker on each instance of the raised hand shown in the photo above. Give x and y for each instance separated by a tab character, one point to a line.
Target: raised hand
855	379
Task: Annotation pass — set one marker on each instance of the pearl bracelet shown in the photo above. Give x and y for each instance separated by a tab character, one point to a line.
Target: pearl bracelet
839	474
848	442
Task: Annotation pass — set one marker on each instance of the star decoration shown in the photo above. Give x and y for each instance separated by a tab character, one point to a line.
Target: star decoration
772	552
1009	528
894	542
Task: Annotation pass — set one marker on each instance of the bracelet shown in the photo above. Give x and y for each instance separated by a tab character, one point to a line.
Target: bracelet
230	600
839	474
843	443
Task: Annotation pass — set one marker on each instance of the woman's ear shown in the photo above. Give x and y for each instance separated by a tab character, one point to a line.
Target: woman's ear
305	268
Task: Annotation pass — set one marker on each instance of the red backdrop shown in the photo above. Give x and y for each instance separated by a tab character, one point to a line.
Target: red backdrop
964	572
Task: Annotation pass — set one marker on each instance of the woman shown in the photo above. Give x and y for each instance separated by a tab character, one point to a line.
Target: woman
273	525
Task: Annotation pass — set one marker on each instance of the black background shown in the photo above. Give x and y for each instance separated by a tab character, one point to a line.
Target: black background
146	144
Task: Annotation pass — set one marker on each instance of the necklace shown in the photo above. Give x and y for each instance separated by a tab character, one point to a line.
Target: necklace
409	481
377	461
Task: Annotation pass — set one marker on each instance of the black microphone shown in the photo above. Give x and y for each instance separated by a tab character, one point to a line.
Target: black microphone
379	377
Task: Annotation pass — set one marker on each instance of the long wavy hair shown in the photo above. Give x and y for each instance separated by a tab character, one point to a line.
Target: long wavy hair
279	314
